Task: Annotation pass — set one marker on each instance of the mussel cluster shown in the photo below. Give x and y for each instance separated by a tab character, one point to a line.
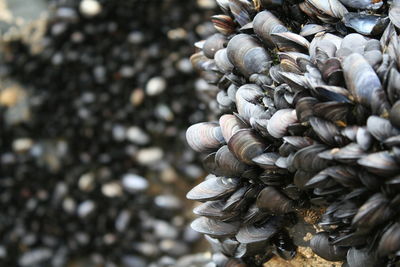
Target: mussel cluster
92	126
310	119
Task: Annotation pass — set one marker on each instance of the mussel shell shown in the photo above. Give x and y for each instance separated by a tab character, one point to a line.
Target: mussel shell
380	163
311	29
265	23
366	24
228	164
348	154
222	61
394	14
288	41
364	138
224	24
253	234
321	245
360	258
235	199
214	43
213	188
373	212
204	136
248	55
247	102
363	4
390	241
326	131
279	122
307	159
213	209
332	8
381	128
364	83
305	108
336	112
230	124
246	144
266	160
394	115
214	228
241	10
270	199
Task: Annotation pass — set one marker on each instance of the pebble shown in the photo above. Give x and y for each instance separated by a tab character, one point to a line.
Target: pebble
149	156
86	208
22	144
134	183
156	86
169	202
90	8
164	112
137	136
35	257
112	189
164	230
86	182
137	97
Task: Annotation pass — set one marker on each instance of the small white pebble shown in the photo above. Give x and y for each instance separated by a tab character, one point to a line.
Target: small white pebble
155	86
90	8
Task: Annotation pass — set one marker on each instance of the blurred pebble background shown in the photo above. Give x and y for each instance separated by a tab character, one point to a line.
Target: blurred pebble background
95	98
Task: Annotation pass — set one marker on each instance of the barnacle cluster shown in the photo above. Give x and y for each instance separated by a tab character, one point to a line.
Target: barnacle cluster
310	117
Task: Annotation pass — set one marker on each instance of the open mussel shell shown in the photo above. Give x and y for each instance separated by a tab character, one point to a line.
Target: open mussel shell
321	245
270	199
246	144
204	136
253	234
366	24
213	188
214	228
380	163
